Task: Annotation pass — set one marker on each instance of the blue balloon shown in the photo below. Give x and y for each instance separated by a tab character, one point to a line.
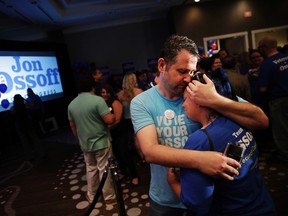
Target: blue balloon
200	50
3	88
5	103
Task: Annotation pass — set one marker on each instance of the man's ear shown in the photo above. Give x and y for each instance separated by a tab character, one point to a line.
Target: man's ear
161	65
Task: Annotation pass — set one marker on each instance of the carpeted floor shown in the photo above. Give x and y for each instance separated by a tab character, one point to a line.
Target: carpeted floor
56	184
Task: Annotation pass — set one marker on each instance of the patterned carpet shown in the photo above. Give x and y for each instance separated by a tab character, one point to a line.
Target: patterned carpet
71	183
56	185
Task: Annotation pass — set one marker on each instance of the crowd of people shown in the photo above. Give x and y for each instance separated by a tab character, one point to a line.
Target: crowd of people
179	123
148	119
261	83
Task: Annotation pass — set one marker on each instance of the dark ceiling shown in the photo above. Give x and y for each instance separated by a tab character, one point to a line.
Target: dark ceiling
74	15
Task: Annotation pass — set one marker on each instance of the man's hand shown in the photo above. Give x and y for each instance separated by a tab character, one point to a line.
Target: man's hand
172	177
246	114
174	182
202	94
217	165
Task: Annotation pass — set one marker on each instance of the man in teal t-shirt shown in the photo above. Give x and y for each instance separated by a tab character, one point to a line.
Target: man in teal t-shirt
88	116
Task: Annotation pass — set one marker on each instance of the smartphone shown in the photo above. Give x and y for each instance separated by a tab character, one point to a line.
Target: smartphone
198	76
234	150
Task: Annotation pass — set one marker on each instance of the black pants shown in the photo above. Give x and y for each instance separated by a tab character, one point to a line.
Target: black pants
159	210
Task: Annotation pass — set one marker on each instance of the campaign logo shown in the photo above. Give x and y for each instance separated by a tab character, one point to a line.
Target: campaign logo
18	73
4	103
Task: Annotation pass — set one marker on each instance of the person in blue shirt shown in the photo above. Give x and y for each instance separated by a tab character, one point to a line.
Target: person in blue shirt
247	194
273	82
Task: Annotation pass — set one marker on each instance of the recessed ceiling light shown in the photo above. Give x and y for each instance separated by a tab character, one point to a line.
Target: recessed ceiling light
196	0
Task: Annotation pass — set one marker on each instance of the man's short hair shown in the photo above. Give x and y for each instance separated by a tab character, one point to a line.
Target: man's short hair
86	84
174	44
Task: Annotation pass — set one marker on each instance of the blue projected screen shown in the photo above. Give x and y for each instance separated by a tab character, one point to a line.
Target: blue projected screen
21	70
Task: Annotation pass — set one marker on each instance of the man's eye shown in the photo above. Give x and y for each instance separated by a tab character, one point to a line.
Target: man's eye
183	71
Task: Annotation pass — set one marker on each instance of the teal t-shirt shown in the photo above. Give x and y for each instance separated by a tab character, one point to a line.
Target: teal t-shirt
173	129
86	111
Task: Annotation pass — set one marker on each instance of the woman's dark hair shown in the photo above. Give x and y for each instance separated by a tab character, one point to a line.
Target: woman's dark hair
229	62
252	51
225	50
202	63
210	62
223	87
110	91
222	83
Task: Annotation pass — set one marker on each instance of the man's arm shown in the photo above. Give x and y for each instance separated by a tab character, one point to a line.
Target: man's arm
244	113
108	118
118	110
74	131
73	128
208	162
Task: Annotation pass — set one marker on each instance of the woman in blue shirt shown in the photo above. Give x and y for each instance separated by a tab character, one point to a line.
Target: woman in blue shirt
247	194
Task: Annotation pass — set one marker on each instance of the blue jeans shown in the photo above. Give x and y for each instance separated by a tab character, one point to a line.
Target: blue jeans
159	210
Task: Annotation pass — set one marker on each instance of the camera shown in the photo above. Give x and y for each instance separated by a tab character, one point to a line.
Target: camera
234	151
197	75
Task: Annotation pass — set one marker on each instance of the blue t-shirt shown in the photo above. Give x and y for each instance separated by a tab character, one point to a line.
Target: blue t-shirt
173	129
246	195
274	75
